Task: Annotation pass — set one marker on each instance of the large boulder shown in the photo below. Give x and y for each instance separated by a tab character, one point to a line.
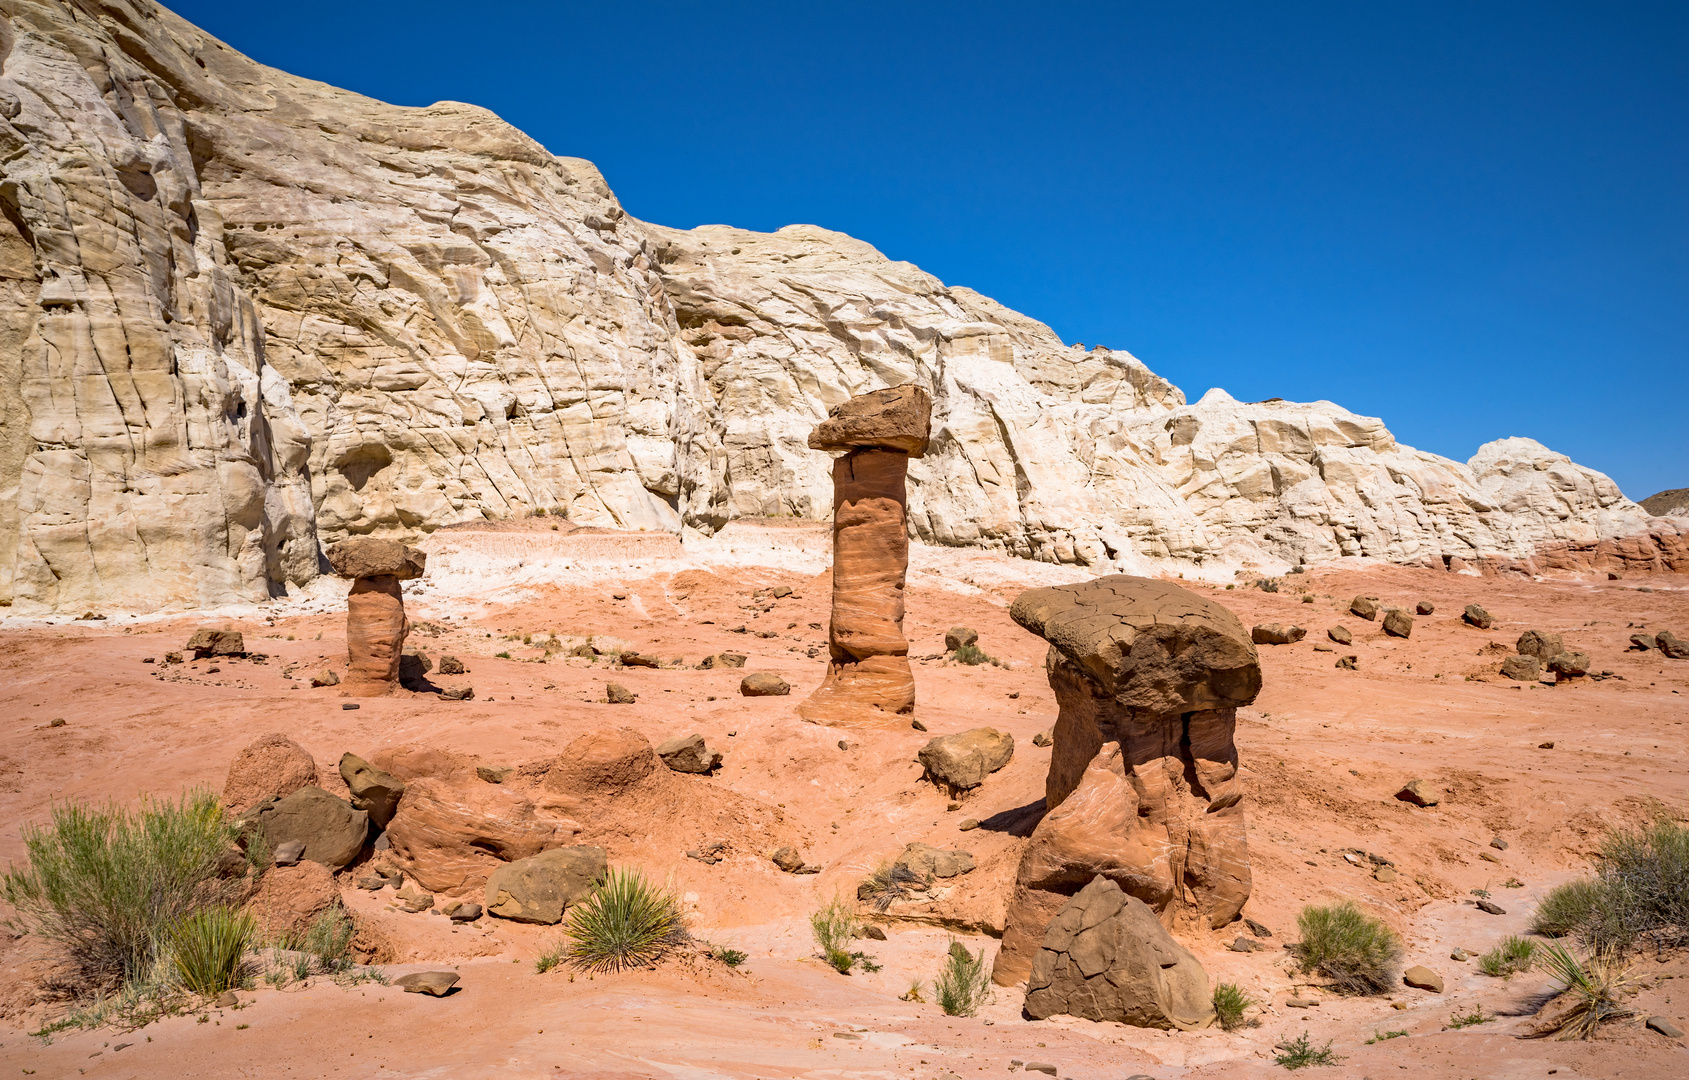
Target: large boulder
1671	645
1398	623
366	557
208	643
375	792
331	830
1106	957
540	888
451	834
897	418
689	754
928	862
289	899
1475	615
1540	645
963	760
271	767
1364	607
1569	665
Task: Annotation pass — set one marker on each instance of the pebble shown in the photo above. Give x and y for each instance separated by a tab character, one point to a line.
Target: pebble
348	707
1491	907
1664	1027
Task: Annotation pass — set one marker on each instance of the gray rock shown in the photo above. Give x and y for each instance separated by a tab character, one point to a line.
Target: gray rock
433	983
466	912
288	854
1664	1027
1498	843
963	760
1569	665
1258	929
688	754
1491	907
1341	635
540	888
331	831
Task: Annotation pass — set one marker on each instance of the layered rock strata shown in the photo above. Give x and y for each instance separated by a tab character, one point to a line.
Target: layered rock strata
869	680
375	610
1143	787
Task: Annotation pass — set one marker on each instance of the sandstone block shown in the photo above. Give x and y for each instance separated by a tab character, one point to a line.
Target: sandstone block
1671	645
1475	615
617	694
927	862
958	636
432	983
1425	607
1423	978
289	898
451	665
207	643
333	833
375	792
1276	634
538	889
963	760
1569	665
1540	645
764	684
1340	635
272	767
375	635
1364	607
366	557
722	660
1418	793
688	754
789	859
1522	668
898	418
1398	623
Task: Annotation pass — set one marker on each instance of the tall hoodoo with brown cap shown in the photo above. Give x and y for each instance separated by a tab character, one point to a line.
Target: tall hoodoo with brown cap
1143	787
375	609
868	676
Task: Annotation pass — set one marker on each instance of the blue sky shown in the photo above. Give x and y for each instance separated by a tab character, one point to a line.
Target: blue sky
1469	219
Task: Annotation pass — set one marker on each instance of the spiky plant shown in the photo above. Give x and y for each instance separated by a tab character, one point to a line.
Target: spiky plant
628	922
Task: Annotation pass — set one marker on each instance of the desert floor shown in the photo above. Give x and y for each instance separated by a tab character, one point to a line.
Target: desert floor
1323	751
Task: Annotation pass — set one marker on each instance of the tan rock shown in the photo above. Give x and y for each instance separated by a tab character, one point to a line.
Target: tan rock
1475	615
1398	623
375	792
962	761
289	899
896	418
206	643
366	557
1276	634
1364	607
538	889
958	636
927	862
331	831
764	684
432	983
1423	978
271	767
375	635
1540	645
451	834
688	754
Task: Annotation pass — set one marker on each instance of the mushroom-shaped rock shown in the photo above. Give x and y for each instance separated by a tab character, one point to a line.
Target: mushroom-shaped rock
1105	956
375	792
272	767
1143	785
375	609
333	833
540	888
897	418
963	760
689	754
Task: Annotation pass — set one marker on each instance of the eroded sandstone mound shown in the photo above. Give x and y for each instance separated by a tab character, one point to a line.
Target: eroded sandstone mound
1143	787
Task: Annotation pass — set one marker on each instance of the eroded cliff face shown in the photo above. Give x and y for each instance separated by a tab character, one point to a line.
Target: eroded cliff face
243	315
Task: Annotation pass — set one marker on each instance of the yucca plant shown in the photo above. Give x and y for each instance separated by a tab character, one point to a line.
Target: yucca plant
1594	987
206	949
628	922
965	983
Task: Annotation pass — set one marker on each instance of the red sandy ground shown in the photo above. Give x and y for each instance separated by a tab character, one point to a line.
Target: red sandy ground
1323	751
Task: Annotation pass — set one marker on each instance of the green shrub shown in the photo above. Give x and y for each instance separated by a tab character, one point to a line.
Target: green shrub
626	923
502	655
1301	1053
1594	988
555	954
835	927
1477	1016
206	949
1641	889
1513	955
971	655
1566	908
106	885
1356	952
1230	1003
329	940
731	957
1385	1036
964	984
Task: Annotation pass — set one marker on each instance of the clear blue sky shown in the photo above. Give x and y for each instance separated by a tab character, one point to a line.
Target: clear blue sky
1469	219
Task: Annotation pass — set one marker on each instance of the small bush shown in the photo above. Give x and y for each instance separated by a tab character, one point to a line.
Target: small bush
971	655
1230	1003
627	923
1594	987
554	955
206	949
502	655
731	957
888	883
964	984
1301	1053
1513	955
1472	1019
329	940
1358	953
835	927
1565	908
1641	890
1385	1036
106	885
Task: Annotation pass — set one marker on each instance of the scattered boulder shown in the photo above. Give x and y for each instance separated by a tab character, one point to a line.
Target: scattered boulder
958	636
432	983
1671	645
1415	792
1641	642
465	913
1569	665
1340	635
1475	615
451	834
373	791
1364	607
640	660
1276	634
271	767
1258	929
325	677
963	760
1423	978
1384	874
604	762
458	693
1106	957
1043	738
1522	668
1425	607
333	833
414	899
1347	663
617	694
927	862
688	754
764	684
451	665
289	898
1398	623
789	859
1540	645
414	666
540	888
207	643
493	774
722	660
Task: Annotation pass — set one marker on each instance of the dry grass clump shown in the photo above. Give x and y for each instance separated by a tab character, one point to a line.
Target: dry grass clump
1356	952
1640	892
1592	990
889	882
1513	955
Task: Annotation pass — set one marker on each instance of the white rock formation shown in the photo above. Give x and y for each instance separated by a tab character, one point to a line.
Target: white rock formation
243	314
1550	497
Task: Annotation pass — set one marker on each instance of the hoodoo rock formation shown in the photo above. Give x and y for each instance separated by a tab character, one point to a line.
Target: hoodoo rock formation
868	677
1143	787
375	609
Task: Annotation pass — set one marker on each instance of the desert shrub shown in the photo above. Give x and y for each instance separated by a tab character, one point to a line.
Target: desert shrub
1385	1036
731	957
1301	1053
1356	952
971	655
964	984
1230	1003
329	940
1594	987
627	922
835	927
1513	955
106	885
887	883
207	947
1640	890
1565	908
1458	1020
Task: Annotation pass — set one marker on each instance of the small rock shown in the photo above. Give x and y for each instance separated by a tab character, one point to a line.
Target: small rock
1460	955
1545	745
1301	1003
493	774
688	754
1674	647
1398	623
1414	792
539	888
764	684
226	1000
1569	665
1276	634
1043	738
451	665
349	707
1425	607
917	725
458	693
634	659
1348	663
1243	944
414	899
789	859
325	678
372	882
1258	929
1039	1066
290	853
722	660
1521	668
433	983
958	636
1638	642
1664	1027
1474	615
57	721
1498	843
874	933
1364	607
780	592
1384	874
1487	857
617	694
1423	978
466	912
373	791
1324	648
1491	907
